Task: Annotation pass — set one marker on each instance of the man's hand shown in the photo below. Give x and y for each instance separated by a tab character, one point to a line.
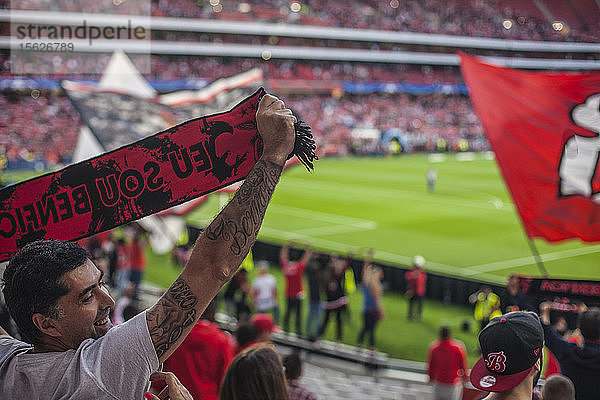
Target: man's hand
174	389
276	127
545	313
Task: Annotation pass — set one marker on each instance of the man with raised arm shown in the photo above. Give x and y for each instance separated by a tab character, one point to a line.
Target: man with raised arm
56	295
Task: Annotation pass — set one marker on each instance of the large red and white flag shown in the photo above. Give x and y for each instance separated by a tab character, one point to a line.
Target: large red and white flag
544	129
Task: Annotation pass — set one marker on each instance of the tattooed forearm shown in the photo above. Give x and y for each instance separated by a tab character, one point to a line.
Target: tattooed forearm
220	251
174	312
241	227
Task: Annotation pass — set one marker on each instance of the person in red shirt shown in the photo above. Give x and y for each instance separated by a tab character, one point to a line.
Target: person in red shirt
137	260
447	366
201	360
294	292
416	280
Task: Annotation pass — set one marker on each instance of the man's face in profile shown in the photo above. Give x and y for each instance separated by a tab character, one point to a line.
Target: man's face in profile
84	312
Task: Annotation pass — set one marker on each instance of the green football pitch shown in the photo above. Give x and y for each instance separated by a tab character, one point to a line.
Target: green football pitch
468	227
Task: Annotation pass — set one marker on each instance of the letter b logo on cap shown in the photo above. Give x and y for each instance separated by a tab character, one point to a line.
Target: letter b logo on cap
496	362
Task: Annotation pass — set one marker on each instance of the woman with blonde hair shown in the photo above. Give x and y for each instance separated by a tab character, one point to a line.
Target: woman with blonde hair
255	374
372	293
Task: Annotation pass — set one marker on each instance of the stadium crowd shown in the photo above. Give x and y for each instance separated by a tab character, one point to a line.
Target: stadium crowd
477	18
421	121
161	67
37	127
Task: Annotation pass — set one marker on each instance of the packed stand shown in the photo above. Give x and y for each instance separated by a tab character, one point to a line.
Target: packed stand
169	67
478	18
46	128
424	120
42	126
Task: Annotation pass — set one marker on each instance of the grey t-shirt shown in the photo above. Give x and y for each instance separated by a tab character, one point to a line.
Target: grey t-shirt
116	366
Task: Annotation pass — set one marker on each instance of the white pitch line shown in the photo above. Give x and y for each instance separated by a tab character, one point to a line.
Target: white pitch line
336	246
518	262
437	198
334	229
318	215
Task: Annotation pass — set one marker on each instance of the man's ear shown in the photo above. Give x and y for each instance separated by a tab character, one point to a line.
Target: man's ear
538	364
46	325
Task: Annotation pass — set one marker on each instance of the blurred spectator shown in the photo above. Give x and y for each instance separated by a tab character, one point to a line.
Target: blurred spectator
294	292
235	296
372	307
265	326
416	285
447	366
558	387
516	300
201	360
293	370
109	246
123	266
431	179
255	373
137	261
487	305
245	336
580	364
335	292
125	299
314	274
562	328
264	291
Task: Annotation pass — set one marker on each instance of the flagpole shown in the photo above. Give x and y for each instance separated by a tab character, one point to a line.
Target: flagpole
536	256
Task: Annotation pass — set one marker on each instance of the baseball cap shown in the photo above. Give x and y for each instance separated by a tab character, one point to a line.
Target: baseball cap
510	346
264	323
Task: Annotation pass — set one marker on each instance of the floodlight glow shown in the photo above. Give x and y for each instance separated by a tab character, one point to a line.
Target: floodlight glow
244	8
394	3
558	26
507	24
295	7
266	55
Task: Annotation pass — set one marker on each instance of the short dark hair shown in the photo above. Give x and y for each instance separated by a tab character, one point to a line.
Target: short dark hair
589	324
32	281
256	373
444	332
558	387
245	333
293	365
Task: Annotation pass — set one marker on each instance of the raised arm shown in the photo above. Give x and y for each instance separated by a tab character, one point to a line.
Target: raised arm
221	248
284	253
307	254
366	266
